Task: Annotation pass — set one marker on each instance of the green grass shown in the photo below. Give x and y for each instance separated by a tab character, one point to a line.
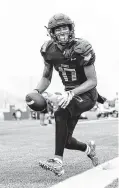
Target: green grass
24	143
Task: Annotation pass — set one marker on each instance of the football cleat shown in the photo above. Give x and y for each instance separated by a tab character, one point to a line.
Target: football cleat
53	165
92	154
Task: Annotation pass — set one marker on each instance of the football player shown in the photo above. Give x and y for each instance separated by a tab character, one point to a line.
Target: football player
48	111
74	60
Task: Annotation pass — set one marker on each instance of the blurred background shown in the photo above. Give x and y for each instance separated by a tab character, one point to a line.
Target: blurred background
22	34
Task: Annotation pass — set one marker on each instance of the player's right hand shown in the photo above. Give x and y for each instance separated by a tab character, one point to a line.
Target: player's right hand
65	99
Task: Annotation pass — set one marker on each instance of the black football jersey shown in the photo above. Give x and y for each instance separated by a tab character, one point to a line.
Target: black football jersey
69	62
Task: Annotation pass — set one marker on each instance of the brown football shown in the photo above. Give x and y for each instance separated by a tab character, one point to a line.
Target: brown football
36	102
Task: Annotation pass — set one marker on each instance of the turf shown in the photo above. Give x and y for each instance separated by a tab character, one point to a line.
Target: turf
24	143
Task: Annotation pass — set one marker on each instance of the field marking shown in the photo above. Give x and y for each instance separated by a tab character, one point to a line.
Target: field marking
96	120
97	177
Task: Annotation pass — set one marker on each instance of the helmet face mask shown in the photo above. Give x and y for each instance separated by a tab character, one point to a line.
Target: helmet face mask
62	34
61	29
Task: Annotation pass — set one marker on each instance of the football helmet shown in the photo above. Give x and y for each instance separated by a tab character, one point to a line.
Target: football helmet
60	20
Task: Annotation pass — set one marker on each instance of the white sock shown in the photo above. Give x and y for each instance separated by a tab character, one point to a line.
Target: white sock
88	149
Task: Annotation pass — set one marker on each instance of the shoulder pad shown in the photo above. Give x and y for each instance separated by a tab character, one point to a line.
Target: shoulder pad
82	47
45	46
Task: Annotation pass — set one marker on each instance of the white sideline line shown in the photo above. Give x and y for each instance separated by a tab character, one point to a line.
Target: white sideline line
95	120
98	177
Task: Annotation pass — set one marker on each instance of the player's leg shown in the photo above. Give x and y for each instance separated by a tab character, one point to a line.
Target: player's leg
42	119
49	118
71	142
61	131
74	144
89	148
76	107
64	116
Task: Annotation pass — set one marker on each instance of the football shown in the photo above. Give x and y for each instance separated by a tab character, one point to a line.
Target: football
36	102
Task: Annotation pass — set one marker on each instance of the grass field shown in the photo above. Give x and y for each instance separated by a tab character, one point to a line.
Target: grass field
24	143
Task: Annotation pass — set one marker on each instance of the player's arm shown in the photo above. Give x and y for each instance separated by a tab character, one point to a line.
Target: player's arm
84	48
90	83
46	78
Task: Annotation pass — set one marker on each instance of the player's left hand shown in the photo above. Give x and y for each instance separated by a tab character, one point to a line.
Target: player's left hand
65	99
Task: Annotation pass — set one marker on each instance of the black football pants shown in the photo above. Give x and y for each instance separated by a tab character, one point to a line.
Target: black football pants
66	120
